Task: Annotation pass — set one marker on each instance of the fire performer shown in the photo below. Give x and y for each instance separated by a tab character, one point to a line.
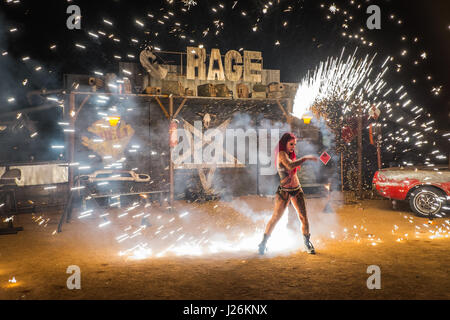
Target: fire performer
289	190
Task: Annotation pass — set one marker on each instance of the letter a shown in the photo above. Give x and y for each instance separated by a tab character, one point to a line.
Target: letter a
374	21
74	20
74	281
374	281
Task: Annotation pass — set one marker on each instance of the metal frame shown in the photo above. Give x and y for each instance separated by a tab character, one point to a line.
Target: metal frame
73	113
10	229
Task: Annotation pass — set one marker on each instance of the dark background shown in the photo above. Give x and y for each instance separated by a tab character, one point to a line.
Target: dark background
308	39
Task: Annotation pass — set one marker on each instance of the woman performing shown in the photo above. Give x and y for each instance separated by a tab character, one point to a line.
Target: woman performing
289	190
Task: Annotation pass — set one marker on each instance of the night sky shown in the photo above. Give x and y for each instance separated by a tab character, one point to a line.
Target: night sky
307	33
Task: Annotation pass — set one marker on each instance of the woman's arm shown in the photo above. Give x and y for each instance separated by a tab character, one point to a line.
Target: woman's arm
291	165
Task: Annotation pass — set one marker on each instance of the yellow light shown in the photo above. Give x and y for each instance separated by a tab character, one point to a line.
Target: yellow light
114	121
307	120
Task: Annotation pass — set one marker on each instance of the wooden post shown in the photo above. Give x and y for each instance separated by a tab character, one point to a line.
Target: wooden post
379	155
71	117
342	171
257	157
70	153
179	109
163	109
379	147
171	174
181	64
288	117
290	107
71	140
360	152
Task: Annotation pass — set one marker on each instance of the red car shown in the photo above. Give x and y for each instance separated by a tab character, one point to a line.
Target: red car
426	189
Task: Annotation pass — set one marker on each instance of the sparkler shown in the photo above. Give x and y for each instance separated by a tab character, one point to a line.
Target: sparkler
337	80
339	85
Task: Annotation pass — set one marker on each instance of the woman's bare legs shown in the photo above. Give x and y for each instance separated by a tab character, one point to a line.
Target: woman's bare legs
280	208
298	201
299	204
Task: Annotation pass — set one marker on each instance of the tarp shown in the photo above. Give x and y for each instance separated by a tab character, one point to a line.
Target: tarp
45	174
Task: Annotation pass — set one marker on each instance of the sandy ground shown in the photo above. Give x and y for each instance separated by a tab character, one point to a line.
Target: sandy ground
413	258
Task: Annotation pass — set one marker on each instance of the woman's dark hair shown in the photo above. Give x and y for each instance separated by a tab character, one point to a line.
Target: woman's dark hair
282	146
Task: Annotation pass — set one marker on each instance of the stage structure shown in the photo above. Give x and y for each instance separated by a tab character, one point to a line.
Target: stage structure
125	126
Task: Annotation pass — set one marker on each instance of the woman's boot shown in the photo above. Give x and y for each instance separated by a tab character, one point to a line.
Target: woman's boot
262	246
308	245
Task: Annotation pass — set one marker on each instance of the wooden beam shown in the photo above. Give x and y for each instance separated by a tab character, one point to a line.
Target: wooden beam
81	107
290	105
171	164
71	138
171	107
379	148
288	118
162	108
342	171
379	155
181	64
190	166
179	108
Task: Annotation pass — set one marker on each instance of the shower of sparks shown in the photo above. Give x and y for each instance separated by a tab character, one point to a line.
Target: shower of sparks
333	8
180	243
350	83
347	81
189	3
170	236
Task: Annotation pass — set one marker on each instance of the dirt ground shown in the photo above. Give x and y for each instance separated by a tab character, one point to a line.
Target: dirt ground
208	251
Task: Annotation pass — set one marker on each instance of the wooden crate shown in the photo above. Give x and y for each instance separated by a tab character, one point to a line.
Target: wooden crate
172	87
96	82
276	87
153	90
242	91
206	90
259	88
223	91
259	95
278	91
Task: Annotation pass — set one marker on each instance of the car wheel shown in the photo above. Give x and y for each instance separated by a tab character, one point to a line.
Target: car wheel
427	201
